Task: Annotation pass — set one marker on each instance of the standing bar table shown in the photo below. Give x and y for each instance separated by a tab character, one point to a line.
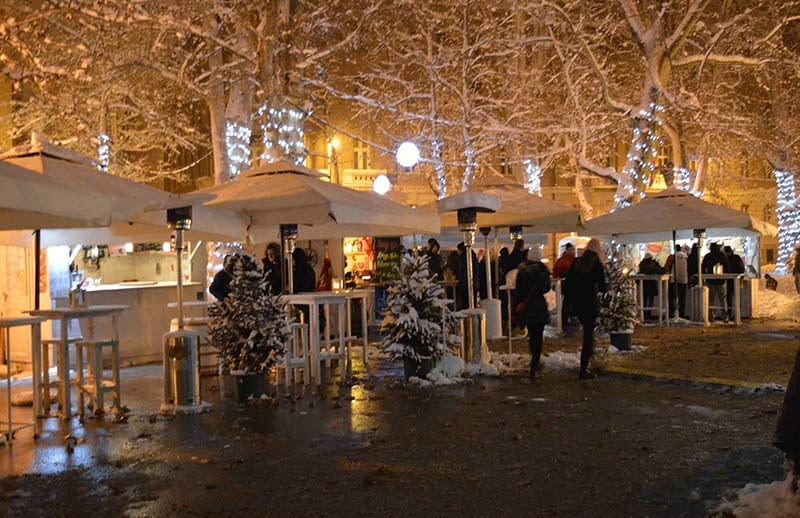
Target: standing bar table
662	282
737	292
314	300
64	316
6	323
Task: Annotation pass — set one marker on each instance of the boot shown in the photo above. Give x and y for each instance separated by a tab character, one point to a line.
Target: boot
586	375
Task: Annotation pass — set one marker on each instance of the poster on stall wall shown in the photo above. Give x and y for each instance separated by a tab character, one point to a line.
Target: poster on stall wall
388	256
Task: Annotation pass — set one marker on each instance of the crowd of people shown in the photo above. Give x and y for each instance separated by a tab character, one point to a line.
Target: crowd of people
583	277
304	276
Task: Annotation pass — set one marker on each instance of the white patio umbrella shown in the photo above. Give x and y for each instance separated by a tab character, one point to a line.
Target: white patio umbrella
519	208
670	214
30	201
283	193
125	200
658	215
132	217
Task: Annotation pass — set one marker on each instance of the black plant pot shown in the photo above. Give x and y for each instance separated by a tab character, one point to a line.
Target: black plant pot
247	385
621	341
420	369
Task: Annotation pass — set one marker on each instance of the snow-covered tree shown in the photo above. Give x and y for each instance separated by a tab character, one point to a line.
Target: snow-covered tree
618	307
249	328
415	311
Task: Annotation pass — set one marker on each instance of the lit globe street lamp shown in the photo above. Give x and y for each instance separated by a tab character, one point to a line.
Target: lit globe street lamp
381	185
407	154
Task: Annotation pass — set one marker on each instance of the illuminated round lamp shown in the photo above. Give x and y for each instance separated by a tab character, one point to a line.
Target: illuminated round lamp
381	184
407	154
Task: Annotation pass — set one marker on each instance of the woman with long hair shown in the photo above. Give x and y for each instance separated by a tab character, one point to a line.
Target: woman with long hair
586	277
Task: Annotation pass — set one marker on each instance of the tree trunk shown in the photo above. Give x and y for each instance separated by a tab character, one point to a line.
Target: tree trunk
633	177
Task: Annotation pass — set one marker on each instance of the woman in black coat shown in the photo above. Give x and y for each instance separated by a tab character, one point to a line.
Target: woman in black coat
533	281
305	279
787	434
586	277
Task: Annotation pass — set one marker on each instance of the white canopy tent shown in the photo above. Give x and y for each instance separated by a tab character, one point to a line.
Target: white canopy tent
518	207
30	201
283	193
674	214
658	215
75	180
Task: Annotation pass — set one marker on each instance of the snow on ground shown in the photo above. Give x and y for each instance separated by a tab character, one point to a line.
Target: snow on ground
778	305
776	500
561	360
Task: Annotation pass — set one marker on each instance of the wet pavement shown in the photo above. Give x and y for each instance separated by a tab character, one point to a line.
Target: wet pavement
499	446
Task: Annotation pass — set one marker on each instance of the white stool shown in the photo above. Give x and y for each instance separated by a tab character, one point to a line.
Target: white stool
297	355
50	350
96	384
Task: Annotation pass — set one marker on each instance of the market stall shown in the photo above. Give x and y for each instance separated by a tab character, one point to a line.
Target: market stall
678	216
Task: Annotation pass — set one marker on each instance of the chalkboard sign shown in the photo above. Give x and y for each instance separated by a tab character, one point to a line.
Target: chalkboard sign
388	254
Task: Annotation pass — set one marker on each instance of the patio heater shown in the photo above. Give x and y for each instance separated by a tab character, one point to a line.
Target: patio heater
181	347
473	323
700	298
288	240
493	306
468	224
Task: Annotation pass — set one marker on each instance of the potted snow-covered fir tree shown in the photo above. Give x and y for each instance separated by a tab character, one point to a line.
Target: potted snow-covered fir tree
249	329
412	320
618	308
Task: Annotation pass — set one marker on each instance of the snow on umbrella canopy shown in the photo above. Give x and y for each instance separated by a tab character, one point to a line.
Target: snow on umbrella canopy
30	201
518	207
283	193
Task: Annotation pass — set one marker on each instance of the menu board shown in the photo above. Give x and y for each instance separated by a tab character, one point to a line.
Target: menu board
388	256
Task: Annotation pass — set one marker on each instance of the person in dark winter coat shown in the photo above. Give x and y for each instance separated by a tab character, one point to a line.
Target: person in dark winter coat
305	279
649	266
221	285
585	279
272	268
462	298
716	287
787	433
517	256
735	265
533	281
435	263
692	264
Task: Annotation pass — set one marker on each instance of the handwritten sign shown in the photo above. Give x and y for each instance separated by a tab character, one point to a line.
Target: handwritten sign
388	254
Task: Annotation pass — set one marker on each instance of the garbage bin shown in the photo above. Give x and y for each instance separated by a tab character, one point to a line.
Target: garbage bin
182	368
473	335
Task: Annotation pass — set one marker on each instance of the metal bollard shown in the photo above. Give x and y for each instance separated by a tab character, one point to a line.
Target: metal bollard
182	368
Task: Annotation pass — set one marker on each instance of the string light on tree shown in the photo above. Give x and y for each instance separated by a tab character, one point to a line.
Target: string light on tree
441	180
282	133
103	152
237	143
641	163
788	218
533	177
683	178
469	170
